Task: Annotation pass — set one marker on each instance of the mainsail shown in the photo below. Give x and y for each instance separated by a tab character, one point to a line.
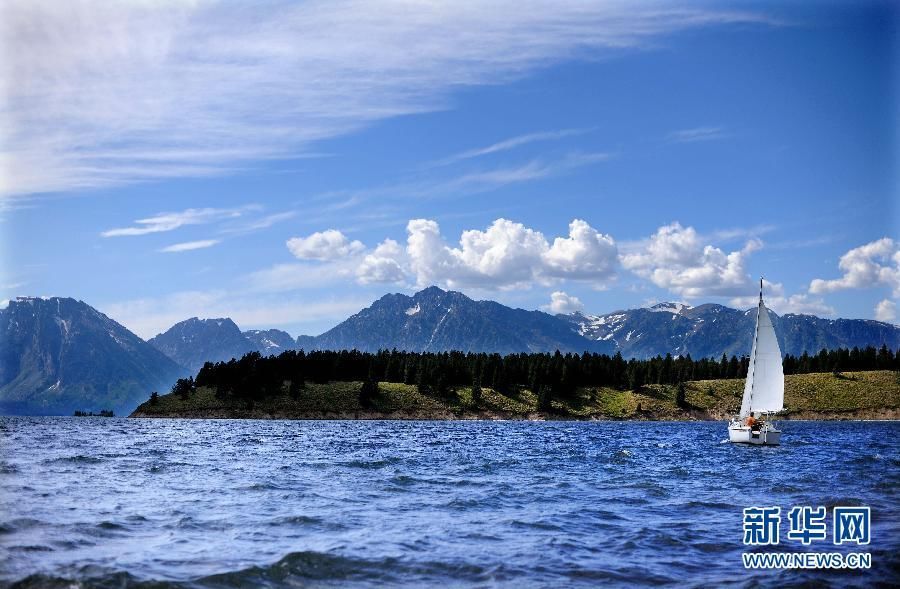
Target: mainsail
764	389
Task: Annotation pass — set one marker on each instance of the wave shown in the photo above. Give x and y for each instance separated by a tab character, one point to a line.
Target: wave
293	570
367	464
77	459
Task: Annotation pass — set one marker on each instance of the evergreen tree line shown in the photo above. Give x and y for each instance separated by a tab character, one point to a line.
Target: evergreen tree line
547	375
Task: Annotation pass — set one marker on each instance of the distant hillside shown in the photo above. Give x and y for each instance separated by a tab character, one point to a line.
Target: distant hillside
434	320
710	330
59	355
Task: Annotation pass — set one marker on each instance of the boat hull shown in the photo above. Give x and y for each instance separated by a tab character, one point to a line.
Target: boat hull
765	436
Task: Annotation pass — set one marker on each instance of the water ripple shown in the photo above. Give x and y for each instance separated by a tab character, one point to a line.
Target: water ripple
203	504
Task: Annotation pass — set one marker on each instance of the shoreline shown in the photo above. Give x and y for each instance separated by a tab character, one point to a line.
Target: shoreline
855	415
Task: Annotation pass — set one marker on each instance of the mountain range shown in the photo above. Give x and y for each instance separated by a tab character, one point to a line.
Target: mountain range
58	354
712	330
435	320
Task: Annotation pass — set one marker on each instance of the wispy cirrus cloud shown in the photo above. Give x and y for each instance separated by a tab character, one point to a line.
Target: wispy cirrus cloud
100	94
190	245
260	223
508	144
170	221
536	169
696	134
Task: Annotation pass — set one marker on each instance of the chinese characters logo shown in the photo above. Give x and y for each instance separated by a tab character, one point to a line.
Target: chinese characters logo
850	525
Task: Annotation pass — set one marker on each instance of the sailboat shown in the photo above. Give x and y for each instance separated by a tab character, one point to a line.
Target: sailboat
764	387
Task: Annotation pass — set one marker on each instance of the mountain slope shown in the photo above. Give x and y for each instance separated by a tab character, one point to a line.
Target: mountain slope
195	341
434	320
58	355
270	342
711	330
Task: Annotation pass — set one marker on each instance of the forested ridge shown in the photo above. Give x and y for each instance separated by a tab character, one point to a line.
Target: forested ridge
548	376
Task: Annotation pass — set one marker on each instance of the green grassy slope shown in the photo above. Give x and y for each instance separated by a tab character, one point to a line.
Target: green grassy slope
859	394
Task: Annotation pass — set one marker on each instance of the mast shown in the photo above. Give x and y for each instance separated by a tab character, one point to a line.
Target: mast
755	341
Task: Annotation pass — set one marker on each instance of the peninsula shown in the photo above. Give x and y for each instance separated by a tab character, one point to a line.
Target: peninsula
851	395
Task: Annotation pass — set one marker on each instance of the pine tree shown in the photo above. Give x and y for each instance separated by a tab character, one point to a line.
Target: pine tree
183	387
637	377
297	386
680	396
545	399
476	390
369	390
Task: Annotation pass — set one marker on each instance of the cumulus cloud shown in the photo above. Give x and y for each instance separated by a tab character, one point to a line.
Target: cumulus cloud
324	245
561	302
383	265
190	245
585	254
163	222
886	310
867	266
508	254
103	93
675	258
781	303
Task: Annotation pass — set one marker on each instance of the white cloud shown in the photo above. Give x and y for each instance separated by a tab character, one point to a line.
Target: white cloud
504	255
536	169
696	134
384	265
324	245
886	310
100	93
586	253
800	304
867	266
776	299
260	223
676	259
170	221
561	302
510	143
190	245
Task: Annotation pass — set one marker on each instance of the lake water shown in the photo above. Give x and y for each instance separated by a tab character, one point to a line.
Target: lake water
196	503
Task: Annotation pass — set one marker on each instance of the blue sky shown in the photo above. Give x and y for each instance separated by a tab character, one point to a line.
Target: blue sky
285	165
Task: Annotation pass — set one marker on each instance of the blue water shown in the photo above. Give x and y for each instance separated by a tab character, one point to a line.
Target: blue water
195	503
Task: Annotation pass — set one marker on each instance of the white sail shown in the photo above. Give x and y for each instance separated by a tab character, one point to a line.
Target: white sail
764	389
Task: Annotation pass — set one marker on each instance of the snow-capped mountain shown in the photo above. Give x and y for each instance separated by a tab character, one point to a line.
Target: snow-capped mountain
270	342
711	330
434	320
